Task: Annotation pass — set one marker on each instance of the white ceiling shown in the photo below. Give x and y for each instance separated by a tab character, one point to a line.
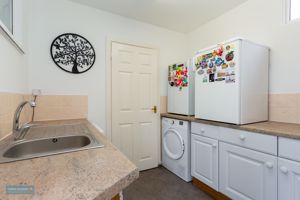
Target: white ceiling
178	15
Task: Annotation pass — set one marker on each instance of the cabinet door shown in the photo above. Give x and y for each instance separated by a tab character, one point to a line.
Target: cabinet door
205	160
246	174
288	180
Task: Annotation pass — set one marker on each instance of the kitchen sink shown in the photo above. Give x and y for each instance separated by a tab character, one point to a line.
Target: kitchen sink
33	148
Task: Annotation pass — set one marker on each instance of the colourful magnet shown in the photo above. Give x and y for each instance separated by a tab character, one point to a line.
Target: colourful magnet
219	62
214	53
210	55
220	51
211	64
224	66
229	56
203	64
205	79
228	47
221	74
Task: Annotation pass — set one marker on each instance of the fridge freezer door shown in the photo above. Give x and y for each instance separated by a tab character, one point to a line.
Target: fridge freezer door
217	84
178	100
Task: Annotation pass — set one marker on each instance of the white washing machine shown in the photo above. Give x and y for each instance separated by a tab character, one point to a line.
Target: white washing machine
176	150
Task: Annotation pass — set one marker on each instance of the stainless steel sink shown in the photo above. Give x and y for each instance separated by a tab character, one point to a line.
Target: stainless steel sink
33	148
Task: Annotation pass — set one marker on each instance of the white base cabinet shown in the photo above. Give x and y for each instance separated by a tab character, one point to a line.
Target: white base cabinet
288	179
246	174
204	161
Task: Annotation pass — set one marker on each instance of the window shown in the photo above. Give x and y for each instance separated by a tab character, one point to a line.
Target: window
294	9
11	21
6	14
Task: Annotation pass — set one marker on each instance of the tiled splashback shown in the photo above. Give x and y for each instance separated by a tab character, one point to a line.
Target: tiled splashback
282	107
8	105
60	107
163	104
49	107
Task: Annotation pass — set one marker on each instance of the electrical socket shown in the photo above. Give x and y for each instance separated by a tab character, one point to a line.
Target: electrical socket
36	92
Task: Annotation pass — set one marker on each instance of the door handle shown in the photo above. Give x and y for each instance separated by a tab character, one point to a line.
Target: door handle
154	109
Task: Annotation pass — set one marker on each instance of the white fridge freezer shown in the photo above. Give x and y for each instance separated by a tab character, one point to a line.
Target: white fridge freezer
181	89
231	82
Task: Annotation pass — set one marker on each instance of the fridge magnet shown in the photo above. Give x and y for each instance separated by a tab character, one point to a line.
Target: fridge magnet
211	77
197	61
230	79
214	53
204	64
209	71
211	64
220	79
232	64
224	66
219	62
229	56
205	79
220	51
221	74
209	55
73	53
227	47
200	72
214	69
178	76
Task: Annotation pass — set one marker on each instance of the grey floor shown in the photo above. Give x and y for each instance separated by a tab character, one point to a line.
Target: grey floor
160	184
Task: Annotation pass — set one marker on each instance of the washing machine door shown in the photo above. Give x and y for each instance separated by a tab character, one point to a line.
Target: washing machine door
173	144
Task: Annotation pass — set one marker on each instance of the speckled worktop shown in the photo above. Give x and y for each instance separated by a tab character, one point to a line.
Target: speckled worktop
94	174
271	128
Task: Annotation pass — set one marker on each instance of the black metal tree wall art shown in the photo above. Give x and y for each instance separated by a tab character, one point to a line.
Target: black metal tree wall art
73	53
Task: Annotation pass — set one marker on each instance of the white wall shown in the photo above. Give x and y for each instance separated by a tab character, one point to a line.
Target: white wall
48	19
262	22
13	64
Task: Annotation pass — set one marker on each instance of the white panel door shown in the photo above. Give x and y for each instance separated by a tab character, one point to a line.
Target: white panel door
288	180
205	160
134	94
246	174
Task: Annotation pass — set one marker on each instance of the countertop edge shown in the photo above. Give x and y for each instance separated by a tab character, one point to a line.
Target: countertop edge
279	129
119	179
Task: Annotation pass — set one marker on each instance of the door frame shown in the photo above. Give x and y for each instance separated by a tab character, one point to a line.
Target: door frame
108	102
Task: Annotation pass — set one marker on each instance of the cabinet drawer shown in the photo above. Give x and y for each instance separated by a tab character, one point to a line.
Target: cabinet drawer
289	148
205	130
255	141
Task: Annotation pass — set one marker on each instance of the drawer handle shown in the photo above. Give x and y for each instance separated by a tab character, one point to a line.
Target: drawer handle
214	145
284	170
269	165
242	137
202	130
